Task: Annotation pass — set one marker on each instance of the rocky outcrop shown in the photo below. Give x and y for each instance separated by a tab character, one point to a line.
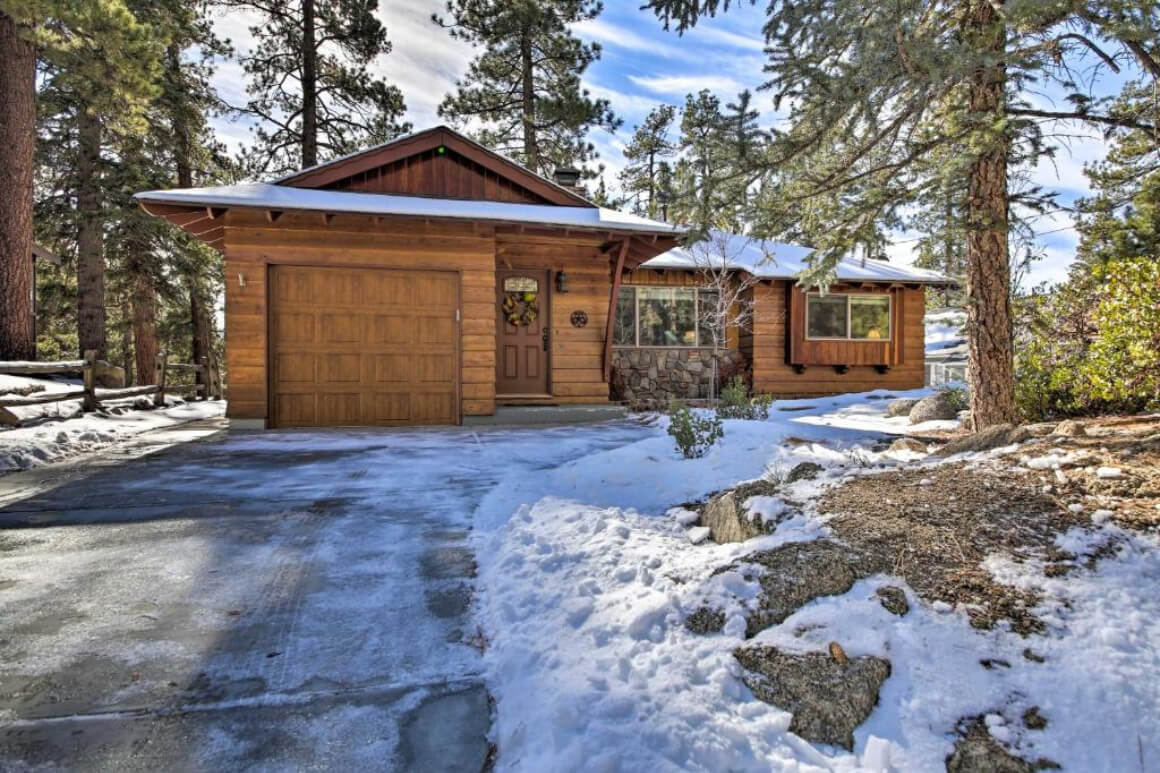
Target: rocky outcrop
828	696
728	521
978	752
913	445
996	436
936	407
1070	428
800	572
893	599
651	378
803	471
705	620
900	407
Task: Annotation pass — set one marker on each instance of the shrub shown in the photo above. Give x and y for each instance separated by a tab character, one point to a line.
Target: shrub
735	402
956	396
693	434
1093	344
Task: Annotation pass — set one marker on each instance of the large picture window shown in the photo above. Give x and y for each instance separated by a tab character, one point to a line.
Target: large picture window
664	316
848	317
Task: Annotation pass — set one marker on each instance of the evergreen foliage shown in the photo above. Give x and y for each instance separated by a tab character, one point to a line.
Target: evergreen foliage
649	147
522	94
310	82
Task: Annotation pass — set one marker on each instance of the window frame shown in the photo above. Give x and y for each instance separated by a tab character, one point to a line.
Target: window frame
849	326
636	344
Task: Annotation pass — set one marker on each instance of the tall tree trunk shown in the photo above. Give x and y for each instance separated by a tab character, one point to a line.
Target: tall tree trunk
17	162
309	87
991	369
90	238
199	321
528	99
127	339
145	328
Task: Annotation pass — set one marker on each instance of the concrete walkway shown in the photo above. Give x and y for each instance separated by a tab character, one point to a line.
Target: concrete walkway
267	601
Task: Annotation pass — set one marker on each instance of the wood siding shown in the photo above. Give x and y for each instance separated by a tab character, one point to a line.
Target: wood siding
576	352
772	343
252	244
446	175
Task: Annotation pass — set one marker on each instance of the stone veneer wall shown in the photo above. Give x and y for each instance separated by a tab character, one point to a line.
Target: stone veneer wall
652	377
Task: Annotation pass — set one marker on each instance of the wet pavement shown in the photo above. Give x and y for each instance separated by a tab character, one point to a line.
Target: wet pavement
264	601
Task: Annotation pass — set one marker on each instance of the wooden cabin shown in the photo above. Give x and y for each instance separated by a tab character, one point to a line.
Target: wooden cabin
430	279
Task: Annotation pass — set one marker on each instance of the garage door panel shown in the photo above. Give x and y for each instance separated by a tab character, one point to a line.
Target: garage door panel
390	408
394	368
296	409
364	346
293	327
437	368
437	330
341	368
394	329
294	368
342	329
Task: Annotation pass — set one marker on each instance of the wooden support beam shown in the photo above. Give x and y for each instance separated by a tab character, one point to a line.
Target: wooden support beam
215	212
327	217
609	325
272	215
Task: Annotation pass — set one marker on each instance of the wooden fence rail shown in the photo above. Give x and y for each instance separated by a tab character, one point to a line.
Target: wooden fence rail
91	396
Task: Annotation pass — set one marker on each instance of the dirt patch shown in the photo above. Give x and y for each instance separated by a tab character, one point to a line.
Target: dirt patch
977	751
934	526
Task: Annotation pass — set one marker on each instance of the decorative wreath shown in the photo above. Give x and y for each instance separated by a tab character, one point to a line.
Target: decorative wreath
520	308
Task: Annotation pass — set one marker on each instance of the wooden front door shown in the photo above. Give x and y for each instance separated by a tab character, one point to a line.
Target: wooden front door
363	347
523	323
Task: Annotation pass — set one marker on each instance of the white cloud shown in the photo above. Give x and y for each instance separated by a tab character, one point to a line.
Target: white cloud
711	34
686	84
607	34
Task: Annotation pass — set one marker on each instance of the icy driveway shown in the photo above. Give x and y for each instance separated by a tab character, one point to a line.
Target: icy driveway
275	600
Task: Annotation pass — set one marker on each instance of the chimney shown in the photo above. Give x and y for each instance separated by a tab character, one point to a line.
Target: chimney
569	177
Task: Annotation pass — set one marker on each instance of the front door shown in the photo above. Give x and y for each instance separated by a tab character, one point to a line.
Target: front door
523	324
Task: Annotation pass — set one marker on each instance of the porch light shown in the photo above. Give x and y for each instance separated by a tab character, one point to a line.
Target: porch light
561	282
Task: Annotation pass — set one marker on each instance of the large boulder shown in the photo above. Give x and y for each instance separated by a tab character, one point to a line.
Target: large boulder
914	445
1070	428
995	436
108	376
728	521
828	697
800	572
936	407
900	407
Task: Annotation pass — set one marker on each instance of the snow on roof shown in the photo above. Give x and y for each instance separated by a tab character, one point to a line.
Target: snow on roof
279	197
773	260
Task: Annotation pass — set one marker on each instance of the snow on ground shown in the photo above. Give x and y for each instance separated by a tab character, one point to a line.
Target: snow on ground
944	328
583	593
58	431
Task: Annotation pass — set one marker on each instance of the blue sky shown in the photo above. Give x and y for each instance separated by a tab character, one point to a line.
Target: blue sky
643	66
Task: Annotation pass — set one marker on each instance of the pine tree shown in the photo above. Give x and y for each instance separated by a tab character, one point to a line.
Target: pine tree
98	65
310	84
650	145
886	100
96	61
524	88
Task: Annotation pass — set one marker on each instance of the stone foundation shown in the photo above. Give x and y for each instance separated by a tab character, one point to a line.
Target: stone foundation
650	378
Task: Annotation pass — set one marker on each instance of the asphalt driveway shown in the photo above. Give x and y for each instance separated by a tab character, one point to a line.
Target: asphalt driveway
282	600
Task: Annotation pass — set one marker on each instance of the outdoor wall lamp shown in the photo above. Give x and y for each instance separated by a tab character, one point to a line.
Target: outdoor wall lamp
561	282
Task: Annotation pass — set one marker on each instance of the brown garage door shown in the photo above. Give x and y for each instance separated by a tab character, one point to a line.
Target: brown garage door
363	347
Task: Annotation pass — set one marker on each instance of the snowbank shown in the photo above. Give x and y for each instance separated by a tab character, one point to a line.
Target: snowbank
63	431
585	589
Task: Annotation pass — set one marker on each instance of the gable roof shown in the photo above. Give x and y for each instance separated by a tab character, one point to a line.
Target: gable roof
282	197
767	259
321	175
